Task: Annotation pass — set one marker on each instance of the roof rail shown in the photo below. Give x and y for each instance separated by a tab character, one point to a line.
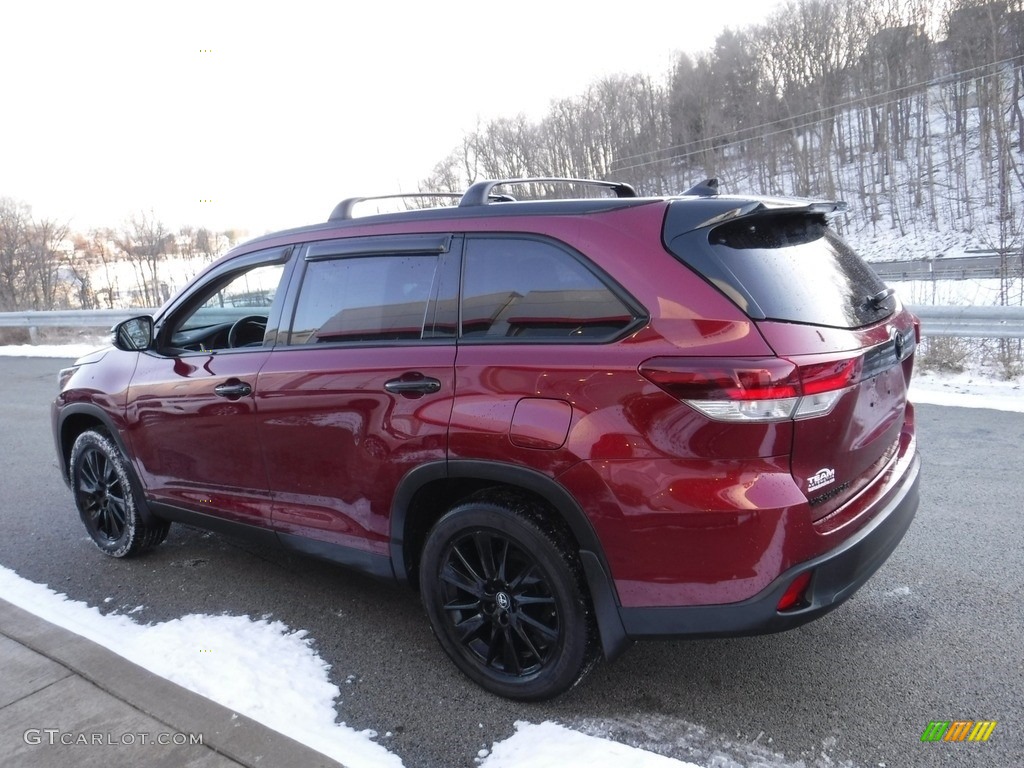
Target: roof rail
480	192
343	210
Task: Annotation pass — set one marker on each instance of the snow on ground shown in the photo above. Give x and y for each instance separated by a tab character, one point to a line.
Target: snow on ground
976	292
967	390
268	672
549	745
261	669
70	351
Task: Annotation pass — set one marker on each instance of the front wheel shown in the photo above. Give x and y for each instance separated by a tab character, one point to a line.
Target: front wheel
106	500
507	602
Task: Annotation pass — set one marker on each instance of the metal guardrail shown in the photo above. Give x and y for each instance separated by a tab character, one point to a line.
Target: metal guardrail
981	265
966	322
971	322
965	272
67	318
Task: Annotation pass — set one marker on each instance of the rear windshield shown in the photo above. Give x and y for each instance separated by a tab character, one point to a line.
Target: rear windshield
789	267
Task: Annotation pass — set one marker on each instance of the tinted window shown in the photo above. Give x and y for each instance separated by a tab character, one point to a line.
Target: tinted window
531	290
790	267
367	298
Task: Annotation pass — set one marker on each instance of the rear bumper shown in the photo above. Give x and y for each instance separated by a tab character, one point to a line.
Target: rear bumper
836	575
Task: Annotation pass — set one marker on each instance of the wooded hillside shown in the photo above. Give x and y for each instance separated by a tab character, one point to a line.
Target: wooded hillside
909	110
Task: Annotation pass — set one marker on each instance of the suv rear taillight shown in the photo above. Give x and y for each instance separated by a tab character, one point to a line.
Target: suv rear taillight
755	389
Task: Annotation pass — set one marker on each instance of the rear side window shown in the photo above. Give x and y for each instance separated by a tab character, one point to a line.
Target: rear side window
522	289
789	267
364	299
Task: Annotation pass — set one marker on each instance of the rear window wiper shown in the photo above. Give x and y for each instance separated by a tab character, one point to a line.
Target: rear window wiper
876	300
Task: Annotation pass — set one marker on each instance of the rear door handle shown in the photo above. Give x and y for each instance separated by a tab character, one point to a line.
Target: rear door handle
232	390
413	384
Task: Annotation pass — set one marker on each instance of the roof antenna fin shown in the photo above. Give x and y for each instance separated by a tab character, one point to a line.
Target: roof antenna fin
707	188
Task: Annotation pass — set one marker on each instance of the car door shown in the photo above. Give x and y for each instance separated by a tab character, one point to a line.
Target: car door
191	403
361	392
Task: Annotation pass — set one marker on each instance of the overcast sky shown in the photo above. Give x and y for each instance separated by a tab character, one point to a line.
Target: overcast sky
275	111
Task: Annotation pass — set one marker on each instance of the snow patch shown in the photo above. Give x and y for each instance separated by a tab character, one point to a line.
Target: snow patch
72	351
260	668
967	390
549	745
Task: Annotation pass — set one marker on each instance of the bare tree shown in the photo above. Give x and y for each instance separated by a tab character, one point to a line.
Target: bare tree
912	108
144	241
47	277
31	258
696	120
453	172
15	248
96	257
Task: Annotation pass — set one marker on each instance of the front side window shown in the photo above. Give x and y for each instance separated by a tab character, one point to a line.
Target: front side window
230	312
532	290
365	299
249	293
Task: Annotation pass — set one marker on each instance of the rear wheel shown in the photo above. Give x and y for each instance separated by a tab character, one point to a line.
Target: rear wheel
106	500
507	602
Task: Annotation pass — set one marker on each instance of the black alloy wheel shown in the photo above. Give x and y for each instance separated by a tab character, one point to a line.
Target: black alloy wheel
101	495
106	500
499	601
506	604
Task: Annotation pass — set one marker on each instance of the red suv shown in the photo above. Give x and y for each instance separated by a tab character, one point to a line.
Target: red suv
572	423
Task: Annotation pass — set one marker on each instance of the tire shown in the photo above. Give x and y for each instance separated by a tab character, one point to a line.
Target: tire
106	500
507	601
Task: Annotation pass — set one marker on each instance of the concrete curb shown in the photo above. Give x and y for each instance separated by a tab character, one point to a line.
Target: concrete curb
235	738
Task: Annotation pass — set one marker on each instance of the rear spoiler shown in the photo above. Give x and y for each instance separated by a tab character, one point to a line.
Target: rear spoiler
711	211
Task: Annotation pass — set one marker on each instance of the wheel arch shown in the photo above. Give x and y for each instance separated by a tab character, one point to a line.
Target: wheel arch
75	419
428	491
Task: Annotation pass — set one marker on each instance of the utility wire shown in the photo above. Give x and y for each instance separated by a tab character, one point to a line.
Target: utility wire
861	100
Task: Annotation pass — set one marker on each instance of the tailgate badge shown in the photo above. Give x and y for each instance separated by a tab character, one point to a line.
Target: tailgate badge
898	342
821	478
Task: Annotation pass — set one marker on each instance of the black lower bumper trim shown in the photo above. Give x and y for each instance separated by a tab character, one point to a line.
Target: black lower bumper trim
837	574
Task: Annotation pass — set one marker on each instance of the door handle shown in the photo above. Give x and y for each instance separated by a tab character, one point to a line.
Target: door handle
232	390
413	384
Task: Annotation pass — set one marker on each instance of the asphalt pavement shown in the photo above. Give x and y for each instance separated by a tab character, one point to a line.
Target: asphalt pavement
934	635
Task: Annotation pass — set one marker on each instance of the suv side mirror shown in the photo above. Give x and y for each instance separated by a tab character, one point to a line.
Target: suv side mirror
134	334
